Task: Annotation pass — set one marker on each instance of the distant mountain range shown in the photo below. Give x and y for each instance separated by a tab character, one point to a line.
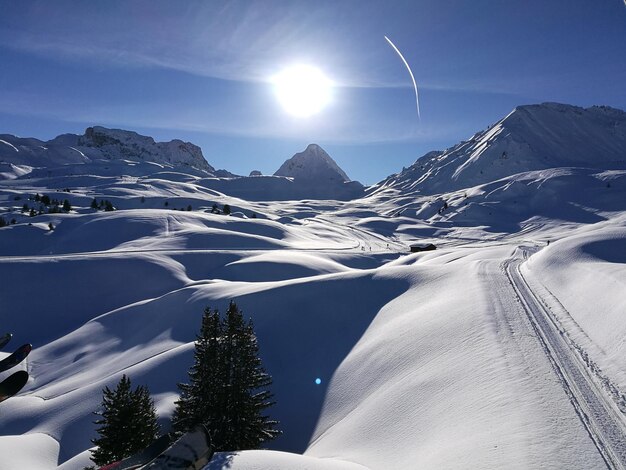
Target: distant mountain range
100	143
533	137
110	152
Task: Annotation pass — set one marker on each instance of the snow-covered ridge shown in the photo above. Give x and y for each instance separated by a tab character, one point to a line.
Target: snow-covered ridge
117	143
100	143
311	174
532	137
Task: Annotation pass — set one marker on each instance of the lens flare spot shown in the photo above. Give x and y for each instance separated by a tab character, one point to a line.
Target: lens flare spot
318	381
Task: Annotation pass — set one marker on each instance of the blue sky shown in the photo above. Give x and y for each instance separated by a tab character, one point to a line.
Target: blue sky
200	71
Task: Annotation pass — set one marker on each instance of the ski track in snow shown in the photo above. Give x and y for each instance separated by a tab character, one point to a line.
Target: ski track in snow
597	413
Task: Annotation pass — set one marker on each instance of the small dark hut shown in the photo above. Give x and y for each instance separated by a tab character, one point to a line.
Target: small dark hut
418	248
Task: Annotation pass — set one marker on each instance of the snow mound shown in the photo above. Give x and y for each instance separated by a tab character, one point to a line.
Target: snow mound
586	272
257	460
36	451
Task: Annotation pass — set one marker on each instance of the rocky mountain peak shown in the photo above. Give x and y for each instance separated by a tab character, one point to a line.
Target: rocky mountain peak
118	143
313	164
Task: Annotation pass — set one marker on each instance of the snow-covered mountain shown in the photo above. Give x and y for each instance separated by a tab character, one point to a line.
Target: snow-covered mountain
313	164
534	137
311	174
318	175
98	143
121	144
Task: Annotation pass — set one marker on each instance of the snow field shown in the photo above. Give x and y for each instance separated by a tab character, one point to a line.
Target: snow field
425	360
585	278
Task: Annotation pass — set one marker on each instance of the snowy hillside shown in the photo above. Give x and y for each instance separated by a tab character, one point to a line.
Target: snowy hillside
502	348
533	137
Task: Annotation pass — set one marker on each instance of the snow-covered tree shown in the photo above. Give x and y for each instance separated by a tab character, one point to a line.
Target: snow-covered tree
128	423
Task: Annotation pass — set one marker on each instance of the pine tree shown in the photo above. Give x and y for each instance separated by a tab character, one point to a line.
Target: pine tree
247	395
227	390
226	209
94	204
200	400
128	423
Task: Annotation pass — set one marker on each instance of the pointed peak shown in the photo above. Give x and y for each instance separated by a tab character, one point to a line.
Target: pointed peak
312	164
314	148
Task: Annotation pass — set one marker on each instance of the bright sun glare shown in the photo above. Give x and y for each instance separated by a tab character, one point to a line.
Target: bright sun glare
302	90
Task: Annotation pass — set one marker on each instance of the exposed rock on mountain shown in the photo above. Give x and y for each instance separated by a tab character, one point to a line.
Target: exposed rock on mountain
116	143
318	176
313	164
19	156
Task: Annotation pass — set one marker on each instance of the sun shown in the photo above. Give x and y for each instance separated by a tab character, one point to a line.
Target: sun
302	90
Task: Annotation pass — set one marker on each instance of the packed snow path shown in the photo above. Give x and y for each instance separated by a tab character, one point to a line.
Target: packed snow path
600	417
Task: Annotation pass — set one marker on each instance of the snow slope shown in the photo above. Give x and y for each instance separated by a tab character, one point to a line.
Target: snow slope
426	360
532	137
584	281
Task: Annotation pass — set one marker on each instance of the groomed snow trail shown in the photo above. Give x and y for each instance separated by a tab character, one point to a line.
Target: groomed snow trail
600	417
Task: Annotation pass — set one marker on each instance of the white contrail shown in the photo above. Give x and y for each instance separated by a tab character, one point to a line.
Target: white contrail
417	99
